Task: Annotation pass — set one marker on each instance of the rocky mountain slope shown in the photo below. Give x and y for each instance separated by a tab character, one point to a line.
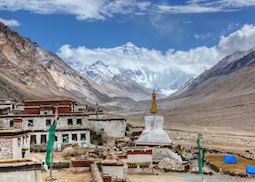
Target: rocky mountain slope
222	98
27	71
232	76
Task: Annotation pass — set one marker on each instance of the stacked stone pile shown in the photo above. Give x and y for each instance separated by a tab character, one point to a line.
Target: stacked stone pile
161	153
172	165
120	179
206	170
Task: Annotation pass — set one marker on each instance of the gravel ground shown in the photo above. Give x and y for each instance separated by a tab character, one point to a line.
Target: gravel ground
176	177
66	175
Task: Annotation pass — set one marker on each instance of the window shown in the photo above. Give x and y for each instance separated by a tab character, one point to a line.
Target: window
30	123
74	137
48	122
33	139
23	140
43	139
65	137
11	123
19	142
79	121
83	136
56	138
69	121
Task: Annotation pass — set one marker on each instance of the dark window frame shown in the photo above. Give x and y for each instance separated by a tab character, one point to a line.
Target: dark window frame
30	122
74	138
44	137
48	122
83	138
33	139
11	123
69	121
79	121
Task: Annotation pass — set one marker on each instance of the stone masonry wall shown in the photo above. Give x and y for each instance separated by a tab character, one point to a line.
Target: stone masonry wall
5	149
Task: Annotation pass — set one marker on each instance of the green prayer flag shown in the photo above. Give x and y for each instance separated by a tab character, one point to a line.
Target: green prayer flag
203	156
199	157
50	143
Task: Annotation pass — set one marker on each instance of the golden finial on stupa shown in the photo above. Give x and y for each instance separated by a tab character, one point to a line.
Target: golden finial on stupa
154	103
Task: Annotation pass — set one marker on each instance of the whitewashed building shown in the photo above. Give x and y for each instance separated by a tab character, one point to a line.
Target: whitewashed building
15	165
73	126
14	144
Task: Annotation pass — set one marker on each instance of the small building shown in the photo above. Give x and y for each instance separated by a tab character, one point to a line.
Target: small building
14	144
15	165
8	106
139	160
112	168
24	170
81	165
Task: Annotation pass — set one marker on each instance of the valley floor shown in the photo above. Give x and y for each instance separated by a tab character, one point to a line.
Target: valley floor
178	177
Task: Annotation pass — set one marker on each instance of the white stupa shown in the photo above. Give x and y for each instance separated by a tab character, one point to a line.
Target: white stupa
153	134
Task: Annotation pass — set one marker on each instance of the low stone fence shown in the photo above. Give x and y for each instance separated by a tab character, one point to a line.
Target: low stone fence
96	174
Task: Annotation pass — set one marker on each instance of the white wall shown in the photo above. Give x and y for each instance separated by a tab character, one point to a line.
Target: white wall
17	150
114	128
113	170
21	176
60	138
137	158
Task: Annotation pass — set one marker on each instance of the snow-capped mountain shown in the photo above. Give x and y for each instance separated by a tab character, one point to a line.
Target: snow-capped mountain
114	81
134	67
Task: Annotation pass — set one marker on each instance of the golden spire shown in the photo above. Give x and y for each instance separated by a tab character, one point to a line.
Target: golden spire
154	103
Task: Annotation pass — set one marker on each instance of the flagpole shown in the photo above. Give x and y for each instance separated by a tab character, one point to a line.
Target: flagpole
201	158
51	165
51	178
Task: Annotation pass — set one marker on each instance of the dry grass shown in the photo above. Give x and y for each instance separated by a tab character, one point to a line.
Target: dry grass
240	166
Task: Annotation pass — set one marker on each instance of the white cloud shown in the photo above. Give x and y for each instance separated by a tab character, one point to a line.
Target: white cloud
241	39
82	9
203	36
191	62
10	22
103	9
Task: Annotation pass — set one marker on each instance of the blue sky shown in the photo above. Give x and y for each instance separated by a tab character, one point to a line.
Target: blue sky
160	25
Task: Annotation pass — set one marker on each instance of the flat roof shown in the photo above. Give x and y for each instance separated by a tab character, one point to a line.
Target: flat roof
12	132
106	119
48	115
49	100
64	114
19	165
62	129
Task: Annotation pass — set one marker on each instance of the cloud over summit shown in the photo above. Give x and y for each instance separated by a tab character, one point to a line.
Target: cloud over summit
192	62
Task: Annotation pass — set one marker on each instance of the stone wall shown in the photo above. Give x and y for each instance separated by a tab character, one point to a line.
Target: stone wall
6	149
96	175
112	128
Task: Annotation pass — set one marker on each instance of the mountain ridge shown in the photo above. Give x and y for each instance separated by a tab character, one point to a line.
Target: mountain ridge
28	71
